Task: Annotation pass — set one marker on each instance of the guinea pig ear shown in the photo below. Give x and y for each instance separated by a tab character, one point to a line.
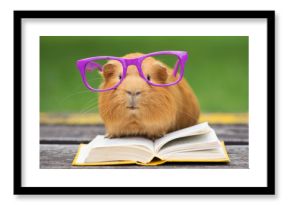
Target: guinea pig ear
159	73
108	70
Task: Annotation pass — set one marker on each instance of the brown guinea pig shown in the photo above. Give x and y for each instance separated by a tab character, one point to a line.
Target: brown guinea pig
136	108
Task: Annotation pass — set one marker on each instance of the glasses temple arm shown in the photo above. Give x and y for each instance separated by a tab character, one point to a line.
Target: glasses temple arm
175	70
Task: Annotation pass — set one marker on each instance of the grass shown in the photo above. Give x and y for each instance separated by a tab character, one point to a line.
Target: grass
217	68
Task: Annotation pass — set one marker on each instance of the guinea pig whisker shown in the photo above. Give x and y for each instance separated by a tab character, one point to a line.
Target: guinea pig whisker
65	98
89	108
89	102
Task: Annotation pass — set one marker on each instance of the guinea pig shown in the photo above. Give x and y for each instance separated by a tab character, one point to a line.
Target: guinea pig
136	108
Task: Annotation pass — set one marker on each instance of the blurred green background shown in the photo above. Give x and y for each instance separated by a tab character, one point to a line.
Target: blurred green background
217	68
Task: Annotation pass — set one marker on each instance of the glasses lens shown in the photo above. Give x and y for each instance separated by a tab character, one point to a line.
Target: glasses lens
161	69
103	70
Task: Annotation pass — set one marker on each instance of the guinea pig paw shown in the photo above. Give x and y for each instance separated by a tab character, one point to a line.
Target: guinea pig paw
156	136
111	136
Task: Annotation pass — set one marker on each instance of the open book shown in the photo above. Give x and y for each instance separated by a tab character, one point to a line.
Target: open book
198	143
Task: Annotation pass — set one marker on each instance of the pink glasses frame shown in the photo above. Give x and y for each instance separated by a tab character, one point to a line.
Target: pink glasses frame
82	64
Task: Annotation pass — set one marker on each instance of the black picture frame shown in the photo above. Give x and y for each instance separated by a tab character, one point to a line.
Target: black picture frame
269	189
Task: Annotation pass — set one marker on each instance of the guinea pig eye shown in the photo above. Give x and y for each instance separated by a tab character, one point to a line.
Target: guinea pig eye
148	77
120	77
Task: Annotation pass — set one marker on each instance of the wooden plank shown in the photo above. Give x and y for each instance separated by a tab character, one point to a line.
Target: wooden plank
64	134
60	157
94	118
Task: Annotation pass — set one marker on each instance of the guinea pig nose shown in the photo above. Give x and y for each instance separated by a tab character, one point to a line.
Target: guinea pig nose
133	93
128	92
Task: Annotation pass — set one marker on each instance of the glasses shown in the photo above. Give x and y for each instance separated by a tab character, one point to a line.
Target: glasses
93	69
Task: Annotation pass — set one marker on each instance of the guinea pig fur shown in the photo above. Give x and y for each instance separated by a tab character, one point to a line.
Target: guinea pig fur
136	108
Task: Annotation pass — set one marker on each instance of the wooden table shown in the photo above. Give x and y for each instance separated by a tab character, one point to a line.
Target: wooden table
59	143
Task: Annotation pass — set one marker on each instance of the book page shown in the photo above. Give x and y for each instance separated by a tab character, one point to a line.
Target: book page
190	131
191	143
114	154
103	141
119	153
216	154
